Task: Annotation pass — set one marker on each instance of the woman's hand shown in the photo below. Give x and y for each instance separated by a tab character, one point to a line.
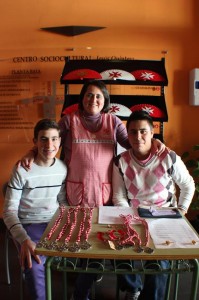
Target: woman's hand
159	146
26	161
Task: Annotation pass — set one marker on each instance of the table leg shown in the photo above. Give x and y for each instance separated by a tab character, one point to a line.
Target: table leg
65	280
176	283
168	289
195	279
48	277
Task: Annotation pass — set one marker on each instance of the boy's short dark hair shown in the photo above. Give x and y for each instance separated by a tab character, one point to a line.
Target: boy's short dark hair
100	85
45	124
139	115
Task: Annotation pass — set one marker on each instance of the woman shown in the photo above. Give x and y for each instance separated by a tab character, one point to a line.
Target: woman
89	138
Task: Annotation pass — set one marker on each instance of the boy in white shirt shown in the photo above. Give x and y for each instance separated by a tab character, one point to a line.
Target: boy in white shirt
31	200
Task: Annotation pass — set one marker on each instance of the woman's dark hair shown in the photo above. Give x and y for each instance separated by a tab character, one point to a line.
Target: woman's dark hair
45	124
100	85
139	115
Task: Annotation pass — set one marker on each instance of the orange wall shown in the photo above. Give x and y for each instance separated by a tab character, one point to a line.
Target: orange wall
141	29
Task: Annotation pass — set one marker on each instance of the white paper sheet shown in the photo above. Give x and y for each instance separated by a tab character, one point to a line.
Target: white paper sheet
110	214
175	231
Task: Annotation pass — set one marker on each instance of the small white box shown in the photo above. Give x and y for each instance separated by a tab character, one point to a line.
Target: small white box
194	87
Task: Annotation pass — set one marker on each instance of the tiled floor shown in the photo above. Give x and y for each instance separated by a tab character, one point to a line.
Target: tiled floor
105	290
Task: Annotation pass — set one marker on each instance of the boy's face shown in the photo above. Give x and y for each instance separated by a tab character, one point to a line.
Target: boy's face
48	143
140	135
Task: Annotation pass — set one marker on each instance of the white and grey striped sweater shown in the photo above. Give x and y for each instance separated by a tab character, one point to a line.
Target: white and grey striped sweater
33	196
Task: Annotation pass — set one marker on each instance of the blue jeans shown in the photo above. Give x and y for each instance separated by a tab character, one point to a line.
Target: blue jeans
35	277
154	286
85	281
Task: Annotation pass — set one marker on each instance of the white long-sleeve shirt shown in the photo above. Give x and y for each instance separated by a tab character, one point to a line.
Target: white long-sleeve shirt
33	196
153	182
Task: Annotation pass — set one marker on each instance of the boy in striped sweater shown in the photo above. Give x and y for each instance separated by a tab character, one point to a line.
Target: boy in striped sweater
31	200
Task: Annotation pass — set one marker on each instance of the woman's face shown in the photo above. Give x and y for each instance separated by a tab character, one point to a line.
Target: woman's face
93	101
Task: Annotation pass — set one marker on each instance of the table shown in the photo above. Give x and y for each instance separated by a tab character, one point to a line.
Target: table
182	260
